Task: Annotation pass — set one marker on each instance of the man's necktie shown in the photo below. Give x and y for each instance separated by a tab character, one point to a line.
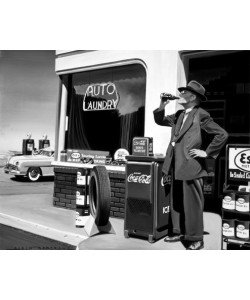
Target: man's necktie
179	123
178	127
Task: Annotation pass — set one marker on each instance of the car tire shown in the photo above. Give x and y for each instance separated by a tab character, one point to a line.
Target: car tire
99	195
34	173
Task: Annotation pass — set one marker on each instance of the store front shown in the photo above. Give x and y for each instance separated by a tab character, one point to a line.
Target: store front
107	98
103	104
226	77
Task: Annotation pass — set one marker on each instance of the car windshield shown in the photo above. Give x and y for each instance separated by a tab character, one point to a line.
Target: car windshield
45	153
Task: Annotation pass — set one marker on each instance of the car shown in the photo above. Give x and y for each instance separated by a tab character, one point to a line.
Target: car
33	166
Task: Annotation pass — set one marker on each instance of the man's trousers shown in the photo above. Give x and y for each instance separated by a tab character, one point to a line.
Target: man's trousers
187	204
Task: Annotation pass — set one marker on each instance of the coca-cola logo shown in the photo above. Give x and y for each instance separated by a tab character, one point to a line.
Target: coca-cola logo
166	179
137	177
141	142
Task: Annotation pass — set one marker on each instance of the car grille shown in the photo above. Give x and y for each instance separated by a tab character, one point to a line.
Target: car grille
11	167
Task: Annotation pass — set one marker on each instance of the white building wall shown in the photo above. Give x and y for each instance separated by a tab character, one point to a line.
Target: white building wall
164	74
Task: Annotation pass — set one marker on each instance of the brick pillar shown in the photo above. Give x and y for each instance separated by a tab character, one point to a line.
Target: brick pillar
65	187
117	182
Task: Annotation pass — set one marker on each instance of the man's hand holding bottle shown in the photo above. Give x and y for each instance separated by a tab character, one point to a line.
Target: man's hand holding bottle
166	98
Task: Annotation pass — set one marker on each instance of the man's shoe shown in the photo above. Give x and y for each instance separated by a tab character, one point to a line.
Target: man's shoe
173	238
196	245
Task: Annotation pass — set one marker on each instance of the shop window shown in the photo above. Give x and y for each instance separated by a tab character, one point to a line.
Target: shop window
106	108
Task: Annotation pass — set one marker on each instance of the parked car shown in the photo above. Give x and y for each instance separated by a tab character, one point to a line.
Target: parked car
32	166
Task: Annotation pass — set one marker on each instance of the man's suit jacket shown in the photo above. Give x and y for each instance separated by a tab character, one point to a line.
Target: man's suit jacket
189	137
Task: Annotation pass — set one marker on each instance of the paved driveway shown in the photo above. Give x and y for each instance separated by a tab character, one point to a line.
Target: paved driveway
9	185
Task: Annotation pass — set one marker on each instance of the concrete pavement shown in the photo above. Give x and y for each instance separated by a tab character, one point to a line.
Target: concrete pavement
9	185
212	238
35	213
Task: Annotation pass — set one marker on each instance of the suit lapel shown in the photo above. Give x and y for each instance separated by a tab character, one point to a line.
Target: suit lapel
188	123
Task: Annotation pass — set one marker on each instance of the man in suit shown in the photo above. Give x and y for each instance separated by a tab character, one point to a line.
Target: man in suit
185	161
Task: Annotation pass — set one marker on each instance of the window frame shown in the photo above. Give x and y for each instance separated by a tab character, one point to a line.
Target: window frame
100	67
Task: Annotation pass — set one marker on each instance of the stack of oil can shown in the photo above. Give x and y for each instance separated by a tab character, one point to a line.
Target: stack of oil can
82	197
236	215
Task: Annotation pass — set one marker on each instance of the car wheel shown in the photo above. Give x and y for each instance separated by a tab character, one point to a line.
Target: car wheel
99	195
34	174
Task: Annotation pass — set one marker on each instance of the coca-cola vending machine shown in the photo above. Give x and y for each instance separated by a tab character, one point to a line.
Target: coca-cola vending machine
147	201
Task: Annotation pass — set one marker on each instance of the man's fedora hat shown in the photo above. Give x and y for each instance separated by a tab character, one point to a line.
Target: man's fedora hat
196	88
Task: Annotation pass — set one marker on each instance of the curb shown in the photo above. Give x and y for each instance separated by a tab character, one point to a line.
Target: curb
45	231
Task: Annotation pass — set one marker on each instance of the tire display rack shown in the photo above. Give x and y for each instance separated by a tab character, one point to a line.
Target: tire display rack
93	197
82	196
234	242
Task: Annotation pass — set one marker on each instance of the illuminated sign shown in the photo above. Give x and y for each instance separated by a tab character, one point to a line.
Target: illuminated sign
101	96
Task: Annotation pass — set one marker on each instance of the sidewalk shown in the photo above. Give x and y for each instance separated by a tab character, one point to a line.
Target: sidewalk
36	214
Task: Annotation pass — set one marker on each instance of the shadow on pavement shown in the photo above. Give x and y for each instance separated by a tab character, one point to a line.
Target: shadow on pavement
25	179
17	239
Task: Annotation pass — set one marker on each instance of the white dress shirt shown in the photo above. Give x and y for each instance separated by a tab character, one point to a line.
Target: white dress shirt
186	115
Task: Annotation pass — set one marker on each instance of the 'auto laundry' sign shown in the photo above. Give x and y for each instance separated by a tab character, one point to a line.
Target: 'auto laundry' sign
100	96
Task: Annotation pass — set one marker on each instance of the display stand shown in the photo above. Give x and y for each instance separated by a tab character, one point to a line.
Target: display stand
235	208
229	243
92	229
82	203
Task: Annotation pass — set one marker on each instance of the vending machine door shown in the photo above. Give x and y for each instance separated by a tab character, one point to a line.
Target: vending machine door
147	202
139	197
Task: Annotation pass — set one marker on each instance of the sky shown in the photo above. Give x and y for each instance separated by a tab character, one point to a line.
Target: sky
28	97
